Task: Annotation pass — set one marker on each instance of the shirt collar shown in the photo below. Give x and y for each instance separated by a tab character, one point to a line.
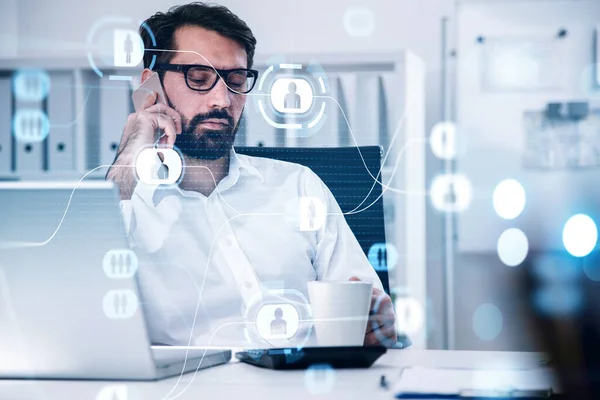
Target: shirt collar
153	194
241	161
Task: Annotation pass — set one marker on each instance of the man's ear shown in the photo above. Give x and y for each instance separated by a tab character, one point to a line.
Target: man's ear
146	74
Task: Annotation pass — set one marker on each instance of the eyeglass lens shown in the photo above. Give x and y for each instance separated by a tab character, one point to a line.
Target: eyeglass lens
200	78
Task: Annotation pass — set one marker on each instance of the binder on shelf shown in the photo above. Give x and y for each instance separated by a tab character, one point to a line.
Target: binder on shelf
62	116
382	114
344	113
114	109
5	125
365	121
27	129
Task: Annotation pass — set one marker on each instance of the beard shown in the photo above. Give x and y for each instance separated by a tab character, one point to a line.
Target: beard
206	144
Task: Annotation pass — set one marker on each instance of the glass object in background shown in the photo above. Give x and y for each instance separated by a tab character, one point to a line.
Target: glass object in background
557	144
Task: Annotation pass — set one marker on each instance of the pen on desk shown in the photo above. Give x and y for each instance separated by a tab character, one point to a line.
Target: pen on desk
383	382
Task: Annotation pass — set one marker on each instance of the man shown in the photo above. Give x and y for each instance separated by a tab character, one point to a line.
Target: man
225	230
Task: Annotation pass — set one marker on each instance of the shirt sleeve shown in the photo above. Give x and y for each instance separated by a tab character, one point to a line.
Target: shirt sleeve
148	218
142	196
127	213
339	256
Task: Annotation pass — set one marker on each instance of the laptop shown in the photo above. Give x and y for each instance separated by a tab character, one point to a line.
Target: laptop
70	307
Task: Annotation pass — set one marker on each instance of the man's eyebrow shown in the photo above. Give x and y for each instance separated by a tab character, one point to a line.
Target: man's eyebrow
184	51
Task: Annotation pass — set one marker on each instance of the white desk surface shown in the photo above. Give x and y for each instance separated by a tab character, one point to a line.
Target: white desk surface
240	381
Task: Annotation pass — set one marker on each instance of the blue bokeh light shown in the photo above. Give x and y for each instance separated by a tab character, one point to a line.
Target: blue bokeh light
512	247
487	322
557	299
580	235
551	269
383	256
509	199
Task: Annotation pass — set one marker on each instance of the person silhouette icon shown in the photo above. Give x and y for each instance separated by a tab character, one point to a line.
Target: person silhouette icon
450	196
124	303
113	264
311	214
160	170
379	256
128	48
278	325
127	263
32	126
117	303
39	127
31	84
292	99
120	264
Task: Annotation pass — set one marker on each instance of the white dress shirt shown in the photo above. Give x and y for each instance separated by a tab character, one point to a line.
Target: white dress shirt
202	259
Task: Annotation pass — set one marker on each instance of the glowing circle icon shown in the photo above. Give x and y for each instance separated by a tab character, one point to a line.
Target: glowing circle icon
120	263
277	321
383	256
359	21
580	235
319	378
512	247
451	193
487	322
509	199
159	166
286	96
31	126
291	95
31	85
410	315
443	140
120	304
128	48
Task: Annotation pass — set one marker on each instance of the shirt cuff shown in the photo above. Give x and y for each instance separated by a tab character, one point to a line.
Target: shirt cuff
143	191
126	212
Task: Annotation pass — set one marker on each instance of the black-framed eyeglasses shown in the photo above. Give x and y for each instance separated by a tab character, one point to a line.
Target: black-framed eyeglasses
203	78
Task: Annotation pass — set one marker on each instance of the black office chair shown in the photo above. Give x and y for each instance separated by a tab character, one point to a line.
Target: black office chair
343	171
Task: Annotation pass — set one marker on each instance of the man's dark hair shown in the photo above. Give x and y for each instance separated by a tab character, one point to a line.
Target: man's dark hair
209	16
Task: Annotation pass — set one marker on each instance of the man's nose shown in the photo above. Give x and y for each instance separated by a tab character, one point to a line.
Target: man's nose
219	96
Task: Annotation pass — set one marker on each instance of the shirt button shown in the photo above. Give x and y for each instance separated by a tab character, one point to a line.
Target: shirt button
248	285
227	242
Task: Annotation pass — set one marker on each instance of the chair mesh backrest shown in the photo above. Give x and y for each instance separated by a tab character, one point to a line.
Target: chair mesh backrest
343	171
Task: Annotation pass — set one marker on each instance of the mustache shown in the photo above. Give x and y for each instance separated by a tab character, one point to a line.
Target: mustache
217	114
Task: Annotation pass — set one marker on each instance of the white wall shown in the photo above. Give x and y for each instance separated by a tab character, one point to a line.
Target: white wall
492	126
493	122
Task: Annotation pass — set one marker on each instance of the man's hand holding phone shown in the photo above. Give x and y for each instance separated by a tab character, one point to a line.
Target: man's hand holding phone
142	126
140	132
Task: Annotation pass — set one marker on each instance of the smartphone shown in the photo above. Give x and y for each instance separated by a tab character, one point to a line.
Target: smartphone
152	84
337	357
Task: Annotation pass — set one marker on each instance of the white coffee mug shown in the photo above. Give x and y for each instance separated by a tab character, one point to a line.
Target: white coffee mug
340	311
